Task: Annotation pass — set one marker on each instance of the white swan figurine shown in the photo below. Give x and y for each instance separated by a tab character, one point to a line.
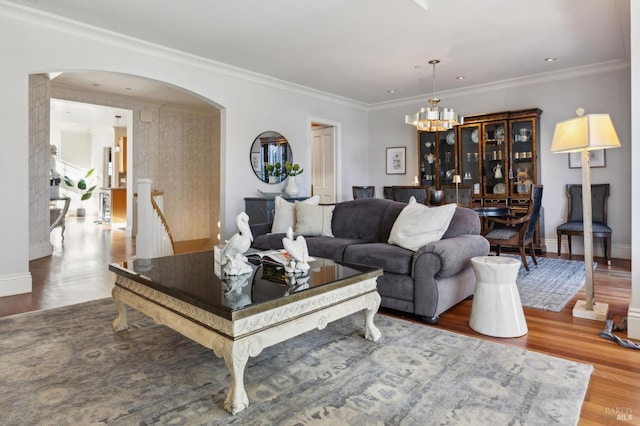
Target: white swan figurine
233	253
298	251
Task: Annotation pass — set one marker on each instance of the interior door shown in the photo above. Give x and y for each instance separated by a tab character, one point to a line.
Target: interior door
323	164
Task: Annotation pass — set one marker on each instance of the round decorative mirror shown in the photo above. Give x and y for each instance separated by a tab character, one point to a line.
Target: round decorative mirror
269	152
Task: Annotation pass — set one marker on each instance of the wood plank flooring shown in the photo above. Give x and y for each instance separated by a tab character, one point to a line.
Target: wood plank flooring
77	272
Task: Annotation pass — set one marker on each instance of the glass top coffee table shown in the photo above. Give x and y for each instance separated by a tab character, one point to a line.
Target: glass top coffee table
238	316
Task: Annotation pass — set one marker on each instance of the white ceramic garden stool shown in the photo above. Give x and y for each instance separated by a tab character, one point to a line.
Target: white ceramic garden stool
496	309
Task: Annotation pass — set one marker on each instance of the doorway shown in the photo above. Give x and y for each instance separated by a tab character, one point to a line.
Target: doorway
94	137
323	162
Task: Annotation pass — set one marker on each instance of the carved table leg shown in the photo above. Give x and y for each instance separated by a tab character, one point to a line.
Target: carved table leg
235	355
120	323
371	331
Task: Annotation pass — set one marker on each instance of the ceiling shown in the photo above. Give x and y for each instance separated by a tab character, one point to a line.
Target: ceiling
363	49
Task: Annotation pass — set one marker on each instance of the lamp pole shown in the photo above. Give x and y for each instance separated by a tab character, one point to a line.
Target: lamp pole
585	158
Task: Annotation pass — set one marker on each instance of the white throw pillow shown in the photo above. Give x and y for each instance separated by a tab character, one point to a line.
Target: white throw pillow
285	214
417	224
314	220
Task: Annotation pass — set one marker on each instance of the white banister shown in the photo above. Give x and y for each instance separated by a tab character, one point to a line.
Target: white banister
154	238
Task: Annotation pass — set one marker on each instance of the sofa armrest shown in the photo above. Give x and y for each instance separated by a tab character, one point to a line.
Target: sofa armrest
452	254
260	229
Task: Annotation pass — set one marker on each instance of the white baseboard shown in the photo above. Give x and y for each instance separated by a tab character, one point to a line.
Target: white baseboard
618	251
15	284
39	250
633	323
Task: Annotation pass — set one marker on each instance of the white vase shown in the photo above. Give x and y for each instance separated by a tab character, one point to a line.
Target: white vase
292	189
272	179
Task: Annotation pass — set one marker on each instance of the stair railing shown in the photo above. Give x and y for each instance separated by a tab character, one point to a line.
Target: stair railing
154	237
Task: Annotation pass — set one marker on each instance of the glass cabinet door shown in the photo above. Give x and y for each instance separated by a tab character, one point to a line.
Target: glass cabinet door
494	159
470	163
523	156
447	158
427	160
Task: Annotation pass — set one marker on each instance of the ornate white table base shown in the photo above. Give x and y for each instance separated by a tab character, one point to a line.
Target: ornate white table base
236	340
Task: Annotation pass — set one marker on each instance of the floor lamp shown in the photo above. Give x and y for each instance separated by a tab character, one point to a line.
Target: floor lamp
457	180
583	134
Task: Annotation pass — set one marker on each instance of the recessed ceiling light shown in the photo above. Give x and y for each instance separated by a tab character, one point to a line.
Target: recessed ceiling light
550	59
96	85
417	67
391	91
460	77
128	88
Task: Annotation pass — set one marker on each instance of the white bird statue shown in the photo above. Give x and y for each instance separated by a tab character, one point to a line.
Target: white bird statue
233	294
233	253
298	252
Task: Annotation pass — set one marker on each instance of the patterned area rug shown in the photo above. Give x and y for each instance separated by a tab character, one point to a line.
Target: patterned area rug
550	285
65	366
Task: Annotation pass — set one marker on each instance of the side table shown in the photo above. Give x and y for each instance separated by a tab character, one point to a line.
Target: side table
496	309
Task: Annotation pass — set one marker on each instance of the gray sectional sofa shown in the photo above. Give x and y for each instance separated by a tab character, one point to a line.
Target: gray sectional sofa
426	282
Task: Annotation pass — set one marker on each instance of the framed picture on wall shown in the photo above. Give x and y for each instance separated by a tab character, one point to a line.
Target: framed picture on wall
597	159
255	161
397	160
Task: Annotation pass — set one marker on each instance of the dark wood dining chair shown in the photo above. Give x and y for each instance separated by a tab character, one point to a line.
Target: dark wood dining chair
367	191
517	231
465	192
575	226
404	193
387	192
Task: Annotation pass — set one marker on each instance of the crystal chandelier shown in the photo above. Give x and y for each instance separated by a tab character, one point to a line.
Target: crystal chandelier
434	118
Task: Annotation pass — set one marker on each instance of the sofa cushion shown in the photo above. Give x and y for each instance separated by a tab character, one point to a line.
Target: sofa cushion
330	248
368	219
418	224
314	220
285	213
381	255
464	221
268	241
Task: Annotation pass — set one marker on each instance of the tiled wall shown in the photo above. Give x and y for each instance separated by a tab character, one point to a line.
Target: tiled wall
186	164
39	116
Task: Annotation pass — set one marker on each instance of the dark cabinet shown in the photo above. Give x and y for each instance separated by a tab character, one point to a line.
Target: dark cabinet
262	210
496	154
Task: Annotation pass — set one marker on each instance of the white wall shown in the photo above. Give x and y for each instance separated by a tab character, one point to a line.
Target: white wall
31	44
607	92
634	305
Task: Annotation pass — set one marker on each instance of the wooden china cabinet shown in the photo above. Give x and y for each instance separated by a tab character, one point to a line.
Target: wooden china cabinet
496	154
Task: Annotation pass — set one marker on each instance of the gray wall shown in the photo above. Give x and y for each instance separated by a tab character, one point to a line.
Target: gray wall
608	91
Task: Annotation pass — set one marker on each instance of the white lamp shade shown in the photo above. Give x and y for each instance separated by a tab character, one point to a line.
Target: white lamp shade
457	179
590	132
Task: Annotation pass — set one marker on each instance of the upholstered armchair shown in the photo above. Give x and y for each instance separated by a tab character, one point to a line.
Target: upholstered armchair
404	193
363	192
517	232
574	226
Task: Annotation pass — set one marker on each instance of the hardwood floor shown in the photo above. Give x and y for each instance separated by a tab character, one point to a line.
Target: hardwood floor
77	272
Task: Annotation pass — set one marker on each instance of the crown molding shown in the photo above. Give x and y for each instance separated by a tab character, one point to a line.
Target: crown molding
45	20
566	74
60	24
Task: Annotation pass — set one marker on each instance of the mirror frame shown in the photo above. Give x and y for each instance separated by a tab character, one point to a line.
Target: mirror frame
268	148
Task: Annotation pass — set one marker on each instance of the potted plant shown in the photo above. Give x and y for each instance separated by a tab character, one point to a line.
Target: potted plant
292	170
85	193
274	171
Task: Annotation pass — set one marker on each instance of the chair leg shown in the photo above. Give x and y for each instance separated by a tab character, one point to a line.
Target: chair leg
524	258
559	242
607	249
533	253
498	247
569	241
